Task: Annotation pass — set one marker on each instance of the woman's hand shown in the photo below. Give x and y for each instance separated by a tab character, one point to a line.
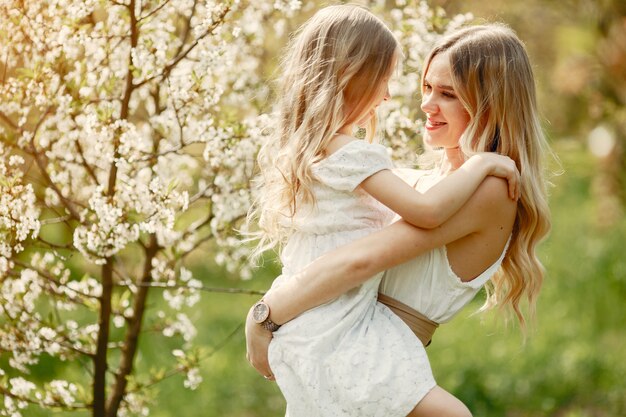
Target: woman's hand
504	167
257	344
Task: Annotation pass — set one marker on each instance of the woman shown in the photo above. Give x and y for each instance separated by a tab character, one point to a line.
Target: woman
479	95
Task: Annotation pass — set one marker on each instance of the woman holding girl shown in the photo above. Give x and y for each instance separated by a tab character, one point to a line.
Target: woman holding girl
345	354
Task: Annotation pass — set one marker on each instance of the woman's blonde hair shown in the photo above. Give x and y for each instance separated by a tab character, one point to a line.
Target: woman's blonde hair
493	78
333	71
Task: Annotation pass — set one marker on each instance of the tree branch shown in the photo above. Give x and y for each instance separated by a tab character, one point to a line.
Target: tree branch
169	67
18	323
180	369
84	163
8	121
153	12
55	220
200	288
100	359
129	347
50	278
68	204
44	404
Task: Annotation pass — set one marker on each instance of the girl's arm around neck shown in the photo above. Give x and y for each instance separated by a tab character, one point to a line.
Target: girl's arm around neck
431	208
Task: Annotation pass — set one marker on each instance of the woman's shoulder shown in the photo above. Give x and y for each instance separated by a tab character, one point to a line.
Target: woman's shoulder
489	218
491	200
495	189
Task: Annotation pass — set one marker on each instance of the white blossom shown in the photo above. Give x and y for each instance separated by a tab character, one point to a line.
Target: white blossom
192	379
183	326
122	150
21	387
61	391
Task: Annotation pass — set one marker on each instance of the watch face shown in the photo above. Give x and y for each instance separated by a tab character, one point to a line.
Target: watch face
260	312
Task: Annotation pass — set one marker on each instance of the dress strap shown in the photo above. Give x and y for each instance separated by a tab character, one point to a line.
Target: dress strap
422	326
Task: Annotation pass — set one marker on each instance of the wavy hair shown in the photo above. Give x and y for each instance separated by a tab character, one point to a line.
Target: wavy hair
333	70
493	78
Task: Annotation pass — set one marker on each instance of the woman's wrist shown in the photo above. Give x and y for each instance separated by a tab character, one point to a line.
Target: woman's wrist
271	301
480	163
488	162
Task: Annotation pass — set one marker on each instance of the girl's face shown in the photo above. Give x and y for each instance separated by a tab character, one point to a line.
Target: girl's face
446	118
382	95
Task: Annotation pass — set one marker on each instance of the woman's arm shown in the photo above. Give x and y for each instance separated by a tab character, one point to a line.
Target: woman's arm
431	208
348	266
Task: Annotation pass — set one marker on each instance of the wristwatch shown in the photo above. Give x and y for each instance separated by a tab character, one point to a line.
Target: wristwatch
261	315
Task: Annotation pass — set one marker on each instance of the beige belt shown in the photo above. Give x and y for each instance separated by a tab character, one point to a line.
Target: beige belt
422	326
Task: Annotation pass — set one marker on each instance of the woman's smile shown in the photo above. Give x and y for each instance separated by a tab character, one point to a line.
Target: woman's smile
432	125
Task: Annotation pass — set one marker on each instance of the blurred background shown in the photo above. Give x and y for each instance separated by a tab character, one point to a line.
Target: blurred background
573	362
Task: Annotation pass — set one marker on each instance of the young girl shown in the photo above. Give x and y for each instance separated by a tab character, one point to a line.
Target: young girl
322	188
479	95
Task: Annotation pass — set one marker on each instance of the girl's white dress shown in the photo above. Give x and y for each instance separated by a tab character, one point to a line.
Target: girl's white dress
352	357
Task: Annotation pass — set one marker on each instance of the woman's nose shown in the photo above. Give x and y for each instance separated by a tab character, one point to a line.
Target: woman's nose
428	105
387	95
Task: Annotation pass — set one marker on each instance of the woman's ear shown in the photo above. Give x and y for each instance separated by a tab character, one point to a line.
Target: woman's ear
495	140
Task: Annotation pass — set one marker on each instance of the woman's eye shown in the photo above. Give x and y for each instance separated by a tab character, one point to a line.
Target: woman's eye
448	95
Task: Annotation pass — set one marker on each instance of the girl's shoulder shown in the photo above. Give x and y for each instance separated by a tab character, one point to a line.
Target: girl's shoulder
347	151
350	163
343	144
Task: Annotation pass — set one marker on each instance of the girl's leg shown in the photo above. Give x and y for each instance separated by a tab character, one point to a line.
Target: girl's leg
440	403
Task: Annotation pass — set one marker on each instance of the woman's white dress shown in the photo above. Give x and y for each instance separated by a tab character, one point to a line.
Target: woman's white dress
351	357
427	283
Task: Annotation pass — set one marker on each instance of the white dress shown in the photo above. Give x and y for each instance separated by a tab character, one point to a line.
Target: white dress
428	284
351	357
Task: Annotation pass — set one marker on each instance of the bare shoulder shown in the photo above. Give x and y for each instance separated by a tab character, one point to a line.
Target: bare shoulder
338	142
490	216
495	191
491	200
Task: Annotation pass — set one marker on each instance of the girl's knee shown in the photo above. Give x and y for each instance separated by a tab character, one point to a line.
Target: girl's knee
459	409
462	411
440	403
447	410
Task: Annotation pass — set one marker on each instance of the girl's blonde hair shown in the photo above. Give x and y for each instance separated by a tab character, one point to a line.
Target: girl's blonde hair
333	71
493	78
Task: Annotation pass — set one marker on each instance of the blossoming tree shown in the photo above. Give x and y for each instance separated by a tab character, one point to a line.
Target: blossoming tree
128	132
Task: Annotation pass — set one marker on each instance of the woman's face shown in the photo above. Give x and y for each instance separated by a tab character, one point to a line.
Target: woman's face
446	118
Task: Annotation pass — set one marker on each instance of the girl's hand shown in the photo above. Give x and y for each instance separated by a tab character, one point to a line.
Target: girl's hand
257	344
503	167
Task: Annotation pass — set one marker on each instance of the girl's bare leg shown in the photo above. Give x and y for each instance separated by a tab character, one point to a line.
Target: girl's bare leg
440	403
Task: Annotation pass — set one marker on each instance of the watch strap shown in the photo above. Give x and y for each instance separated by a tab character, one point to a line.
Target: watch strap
270	325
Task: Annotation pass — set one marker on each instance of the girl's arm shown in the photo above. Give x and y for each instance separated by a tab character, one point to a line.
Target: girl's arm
431	208
348	266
